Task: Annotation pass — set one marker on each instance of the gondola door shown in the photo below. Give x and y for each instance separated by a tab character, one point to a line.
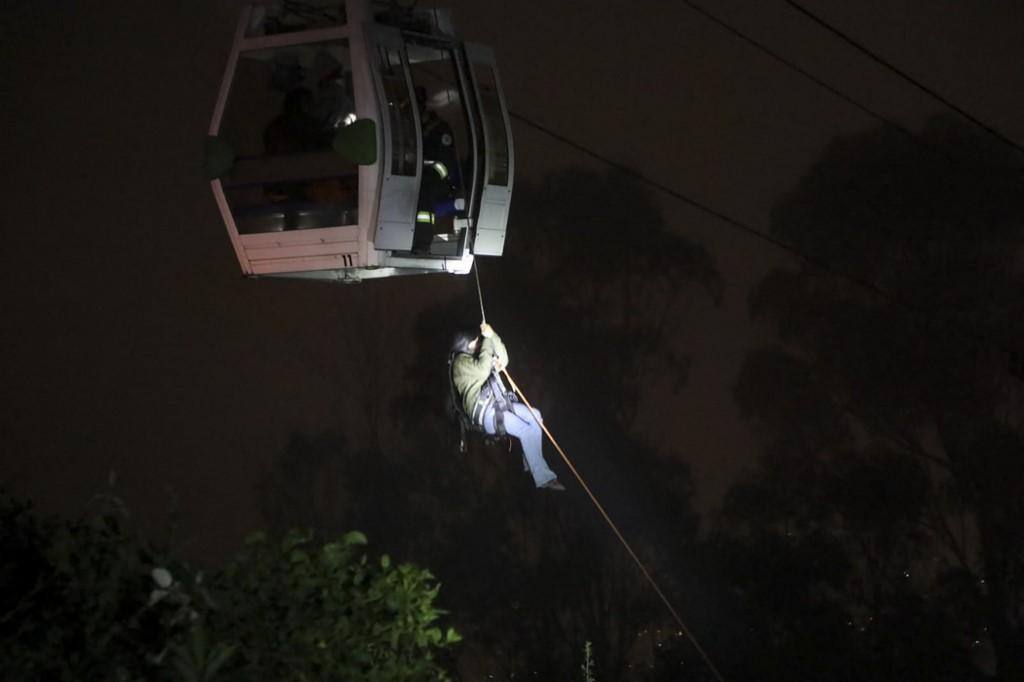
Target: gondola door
402	146
499	160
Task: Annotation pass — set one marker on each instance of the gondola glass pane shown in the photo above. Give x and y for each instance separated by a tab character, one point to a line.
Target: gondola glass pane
447	141
283	110
401	119
494	125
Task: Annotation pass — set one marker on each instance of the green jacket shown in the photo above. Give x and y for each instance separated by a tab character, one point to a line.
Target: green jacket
470	372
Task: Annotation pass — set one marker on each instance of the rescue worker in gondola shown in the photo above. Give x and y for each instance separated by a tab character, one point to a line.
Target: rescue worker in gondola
439	152
477	361
439	199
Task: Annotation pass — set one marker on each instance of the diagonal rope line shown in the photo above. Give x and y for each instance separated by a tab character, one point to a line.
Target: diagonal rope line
789	63
860	47
966	333
618	534
479	293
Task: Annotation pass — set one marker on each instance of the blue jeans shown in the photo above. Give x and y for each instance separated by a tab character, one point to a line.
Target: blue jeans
526	427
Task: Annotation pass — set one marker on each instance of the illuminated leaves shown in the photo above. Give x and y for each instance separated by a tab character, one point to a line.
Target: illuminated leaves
321	609
92	600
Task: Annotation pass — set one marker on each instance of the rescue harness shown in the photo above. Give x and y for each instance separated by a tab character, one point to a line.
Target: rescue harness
493	394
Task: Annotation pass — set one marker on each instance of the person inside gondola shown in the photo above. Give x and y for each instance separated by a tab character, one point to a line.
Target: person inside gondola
300	129
439	198
295	129
477	361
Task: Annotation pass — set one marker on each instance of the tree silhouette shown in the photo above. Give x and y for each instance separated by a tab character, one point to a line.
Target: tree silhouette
890	497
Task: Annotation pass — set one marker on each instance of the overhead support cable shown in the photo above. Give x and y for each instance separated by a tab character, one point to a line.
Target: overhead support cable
819	263
902	74
705	208
661	187
789	63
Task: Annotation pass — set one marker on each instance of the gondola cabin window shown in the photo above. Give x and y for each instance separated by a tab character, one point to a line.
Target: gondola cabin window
285	108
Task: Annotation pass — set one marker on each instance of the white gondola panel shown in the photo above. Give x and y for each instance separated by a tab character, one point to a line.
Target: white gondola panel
499	160
402	146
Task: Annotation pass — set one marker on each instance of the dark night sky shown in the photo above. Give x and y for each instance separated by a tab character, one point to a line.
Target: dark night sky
132	343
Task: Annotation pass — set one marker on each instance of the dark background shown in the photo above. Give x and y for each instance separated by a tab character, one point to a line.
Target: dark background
131	343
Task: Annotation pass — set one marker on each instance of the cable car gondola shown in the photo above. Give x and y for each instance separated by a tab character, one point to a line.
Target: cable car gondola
356	139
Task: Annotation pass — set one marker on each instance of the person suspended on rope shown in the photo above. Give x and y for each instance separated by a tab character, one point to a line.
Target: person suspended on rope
474	373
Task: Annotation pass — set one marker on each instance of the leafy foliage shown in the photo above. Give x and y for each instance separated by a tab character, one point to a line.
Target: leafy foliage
587	667
82	602
94	599
335	614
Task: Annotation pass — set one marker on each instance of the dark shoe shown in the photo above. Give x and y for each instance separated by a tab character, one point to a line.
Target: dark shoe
553	484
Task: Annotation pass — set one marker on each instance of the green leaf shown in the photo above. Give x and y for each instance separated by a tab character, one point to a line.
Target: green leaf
353	538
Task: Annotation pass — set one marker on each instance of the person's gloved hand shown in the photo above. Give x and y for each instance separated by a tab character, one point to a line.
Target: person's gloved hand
486	331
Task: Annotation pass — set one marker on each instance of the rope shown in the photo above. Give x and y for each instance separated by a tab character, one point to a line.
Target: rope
598	505
618	534
479	293
863	49
966	333
707	14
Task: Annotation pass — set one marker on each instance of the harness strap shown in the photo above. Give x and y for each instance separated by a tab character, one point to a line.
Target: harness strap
499	421
492	394
489	400
483	403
